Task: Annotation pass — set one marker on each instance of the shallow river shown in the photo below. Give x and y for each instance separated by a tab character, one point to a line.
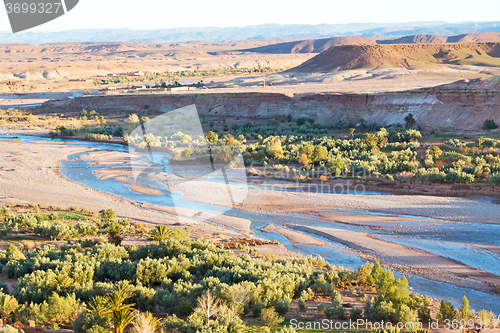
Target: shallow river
454	245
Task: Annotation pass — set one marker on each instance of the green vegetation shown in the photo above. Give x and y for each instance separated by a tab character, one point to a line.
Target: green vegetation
174	76
62	225
489	124
202	287
446	311
299	148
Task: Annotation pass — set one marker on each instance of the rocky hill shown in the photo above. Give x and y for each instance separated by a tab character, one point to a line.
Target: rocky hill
401	55
320	45
312	45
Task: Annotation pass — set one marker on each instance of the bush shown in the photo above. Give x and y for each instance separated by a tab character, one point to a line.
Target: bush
464	312
446	311
257	308
307	294
271	318
495	178
489	124
90	322
339	312
282	307
435	177
184	308
336	298
355	314
61	309
456	176
4	289
32	311
301	121
302	305
424	313
28	245
407	315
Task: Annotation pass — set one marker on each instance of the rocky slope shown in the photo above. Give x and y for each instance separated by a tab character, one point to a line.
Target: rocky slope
402	55
320	45
463	104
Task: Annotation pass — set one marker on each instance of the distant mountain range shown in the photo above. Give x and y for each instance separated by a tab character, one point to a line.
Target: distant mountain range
320	45
266	31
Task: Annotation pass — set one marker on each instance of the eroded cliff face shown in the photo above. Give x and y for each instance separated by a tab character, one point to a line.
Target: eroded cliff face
463	104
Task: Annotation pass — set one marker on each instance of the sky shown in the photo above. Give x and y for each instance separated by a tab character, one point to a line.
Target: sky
164	14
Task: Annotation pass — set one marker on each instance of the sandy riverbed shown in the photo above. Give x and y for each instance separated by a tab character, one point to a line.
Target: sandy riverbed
29	173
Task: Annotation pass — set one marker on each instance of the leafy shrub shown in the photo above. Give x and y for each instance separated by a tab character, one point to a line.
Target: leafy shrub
495	178
464	311
355	314
282	307
8	305
407	315
302	305
446	311
90	322
456	176
271	318
330	312
435	177
257	308
489	124
4	289
336	298
184	308
424	313
307	294
151	271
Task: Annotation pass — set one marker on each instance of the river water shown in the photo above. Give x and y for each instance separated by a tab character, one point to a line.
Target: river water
451	246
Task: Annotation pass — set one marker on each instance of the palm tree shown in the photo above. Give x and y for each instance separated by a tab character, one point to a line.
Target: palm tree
98	305
120	319
115	233
160	233
113	306
8	304
351	131
115	301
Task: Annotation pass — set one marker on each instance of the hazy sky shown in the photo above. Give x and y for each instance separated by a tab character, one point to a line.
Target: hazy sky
161	14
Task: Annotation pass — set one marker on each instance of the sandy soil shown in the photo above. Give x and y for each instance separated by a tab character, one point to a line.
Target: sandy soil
172	210
99	158
293	236
8	100
144	190
354	81
442	208
228	221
